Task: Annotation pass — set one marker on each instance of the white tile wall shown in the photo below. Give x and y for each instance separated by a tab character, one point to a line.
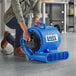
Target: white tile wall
0	19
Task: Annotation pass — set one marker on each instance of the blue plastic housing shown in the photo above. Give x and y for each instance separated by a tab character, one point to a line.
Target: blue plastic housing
50	41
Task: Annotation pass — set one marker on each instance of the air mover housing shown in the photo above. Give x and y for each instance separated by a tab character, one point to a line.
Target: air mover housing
44	45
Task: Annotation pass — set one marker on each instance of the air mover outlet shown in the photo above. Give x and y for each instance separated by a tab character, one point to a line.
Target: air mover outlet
35	43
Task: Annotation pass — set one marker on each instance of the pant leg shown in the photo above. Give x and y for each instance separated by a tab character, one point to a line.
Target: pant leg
10	39
18	36
13	24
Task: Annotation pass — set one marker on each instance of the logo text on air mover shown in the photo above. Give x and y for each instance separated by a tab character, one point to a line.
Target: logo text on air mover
51	38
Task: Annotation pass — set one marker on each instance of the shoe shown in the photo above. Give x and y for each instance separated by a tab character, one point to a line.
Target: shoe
4	42
19	52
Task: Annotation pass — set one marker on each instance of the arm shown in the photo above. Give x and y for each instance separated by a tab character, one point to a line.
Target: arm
19	15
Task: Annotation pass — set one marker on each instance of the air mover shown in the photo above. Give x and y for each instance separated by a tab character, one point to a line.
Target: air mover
44	44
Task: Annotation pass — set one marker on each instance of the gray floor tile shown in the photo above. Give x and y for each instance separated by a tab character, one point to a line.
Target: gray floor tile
18	66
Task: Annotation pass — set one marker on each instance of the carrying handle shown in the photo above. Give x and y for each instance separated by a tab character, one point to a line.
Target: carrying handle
41	25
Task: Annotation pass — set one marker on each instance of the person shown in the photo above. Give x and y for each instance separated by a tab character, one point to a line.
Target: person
17	17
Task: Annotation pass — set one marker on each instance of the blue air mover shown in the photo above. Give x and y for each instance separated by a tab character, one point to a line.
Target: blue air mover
44	44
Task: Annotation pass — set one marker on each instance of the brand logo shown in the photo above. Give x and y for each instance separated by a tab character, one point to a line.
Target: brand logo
51	38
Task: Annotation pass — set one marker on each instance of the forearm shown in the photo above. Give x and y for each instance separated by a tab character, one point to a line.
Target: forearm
23	26
26	35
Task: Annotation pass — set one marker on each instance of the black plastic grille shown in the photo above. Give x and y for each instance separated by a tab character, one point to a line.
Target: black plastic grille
34	44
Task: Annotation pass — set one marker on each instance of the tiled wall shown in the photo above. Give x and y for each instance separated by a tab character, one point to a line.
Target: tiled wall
0	20
0	17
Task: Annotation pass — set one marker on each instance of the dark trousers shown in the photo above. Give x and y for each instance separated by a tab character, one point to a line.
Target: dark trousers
13	24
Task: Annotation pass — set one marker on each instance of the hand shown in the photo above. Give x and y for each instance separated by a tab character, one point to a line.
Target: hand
36	24
26	36
36	19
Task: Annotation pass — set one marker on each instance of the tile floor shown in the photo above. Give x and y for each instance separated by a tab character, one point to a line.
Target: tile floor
18	66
